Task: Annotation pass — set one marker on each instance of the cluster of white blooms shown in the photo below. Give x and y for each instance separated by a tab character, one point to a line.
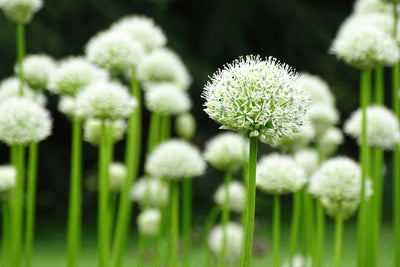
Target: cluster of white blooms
185	126
348	208
279	174
149	222
20	11
167	99
117	175
10	88
73	74
382	127
323	117
299	261
330	140
372	6
92	130
67	105
8	175
105	100
175	160
234	241
23	121
37	69
259	96
296	140
308	159
317	88
226	151
236	195
150	191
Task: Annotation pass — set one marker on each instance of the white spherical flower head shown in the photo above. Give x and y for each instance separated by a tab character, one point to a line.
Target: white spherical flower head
234	241
8	175
262	97
226	151
299	261
23	121
92	130
37	69
175	160
149	222
10	87
185	126
150	191
20	11
317	88
322	117
167	99
67	105
296	140
338	179
105	100
142	29
330	140
382	127
117	174
236	195
73	74
372	6
279	174
163	66
115	51
307	159
349	207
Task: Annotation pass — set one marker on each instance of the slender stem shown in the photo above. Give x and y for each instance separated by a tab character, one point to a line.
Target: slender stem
6	233
154	132
308	223
20	56
165	128
141	250
276	228
112	206
245	172
174	231
225	220
187	220
320	230
379	86
209	223
294	229
338	236
250	203
132	160
396	166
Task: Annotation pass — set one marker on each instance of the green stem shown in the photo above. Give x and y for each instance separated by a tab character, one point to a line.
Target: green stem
379	86
320	233
209	223
75	195
294	229
396	166
276	228
6	234
165	128
141	250
20	56
174	231
250	203
225	219
132	159
308	223
112	206
245	172
154	132
187	220
338	236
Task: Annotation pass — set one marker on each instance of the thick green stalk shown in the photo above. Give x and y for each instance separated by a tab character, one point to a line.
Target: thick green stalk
174	224
250	203
187	220
308	223
165	128
132	159
245	173
5	249
338	236
396	166
294	229
20	56
209	223
320	233
225	219
154	132
276	228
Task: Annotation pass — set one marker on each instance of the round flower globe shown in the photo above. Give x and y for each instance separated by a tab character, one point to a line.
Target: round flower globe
236	195
10	87
372	6
348	208
322	117
149	222
330	140
234	241
279	174
258	96
67	105
8	175
105	100
150	191
382	127
20	11
167	99
73	74
117	176
175	160
92	130
317	88
37	69
23	121
226	152
307	159
185	126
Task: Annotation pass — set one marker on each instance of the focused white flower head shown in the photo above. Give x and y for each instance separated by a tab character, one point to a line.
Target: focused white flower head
149	222
262	97
175	160
279	174
20	11
23	121
73	74
330	140
236	195
115	51
117	174
67	105
308	159
9	88
8	177
105	100
185	126
296	140
92	130
234	241
299	261
382	127
322	117
317	88
142	29
150	191
167	99
163	66
338	179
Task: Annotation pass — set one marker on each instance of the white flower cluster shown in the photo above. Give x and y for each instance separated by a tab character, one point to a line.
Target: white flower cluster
308	159
37	70
175	160
20	11
236	195
226	151
330	140
372	6
67	105
299	261
150	191
234	241
323	116
23	121
185	126
149	222
259	96
8	175
10	87
317	88
296	140
382	127
348	207
92	130
279	174
117	175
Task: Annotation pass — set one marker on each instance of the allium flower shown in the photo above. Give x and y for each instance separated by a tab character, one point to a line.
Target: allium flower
163	66
105	100
262	97
185	126
149	222
234	241
37	70
167	99
92	130
67	105
236	193
175	160
117	174
115	51
73	74
349	207
142	29
317	88
330	140
8	175
372	6
279	174
296	140
338	179
299	261
23	121
382	127
322	117
226	151
154	192
9	88
308	160
20	11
